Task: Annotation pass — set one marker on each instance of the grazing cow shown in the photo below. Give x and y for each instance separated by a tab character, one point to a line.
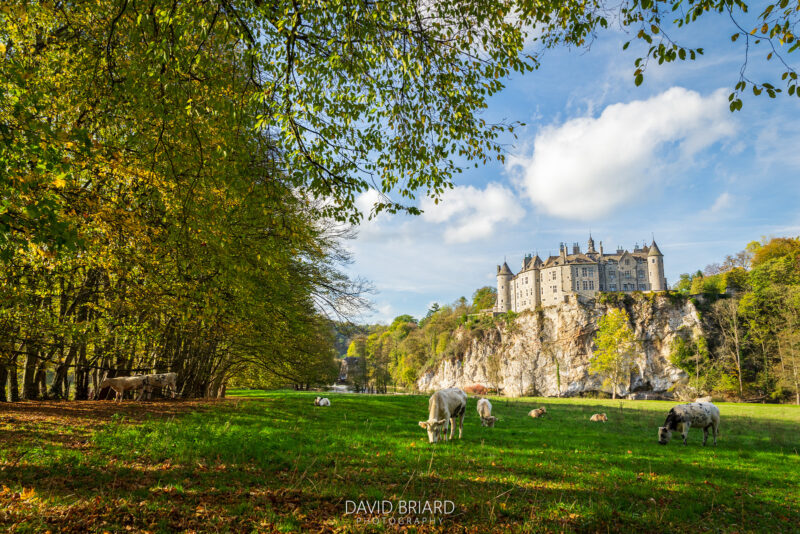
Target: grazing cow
322	401
444	407
485	412
599	417
121	384
166	381
538	412
703	399
682	417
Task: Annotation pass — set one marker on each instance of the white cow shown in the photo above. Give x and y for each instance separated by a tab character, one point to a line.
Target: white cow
444	407
485	413
322	401
121	384
682	417
167	381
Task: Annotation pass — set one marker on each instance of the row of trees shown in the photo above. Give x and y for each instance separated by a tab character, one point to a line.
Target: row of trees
754	351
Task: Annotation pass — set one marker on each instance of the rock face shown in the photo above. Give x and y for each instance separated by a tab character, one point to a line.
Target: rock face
546	352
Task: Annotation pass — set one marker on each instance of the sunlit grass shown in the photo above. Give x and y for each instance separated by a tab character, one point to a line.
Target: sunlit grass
559	472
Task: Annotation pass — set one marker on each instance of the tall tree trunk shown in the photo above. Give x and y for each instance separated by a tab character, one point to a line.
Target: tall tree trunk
60	387
13	385
30	390
82	375
41	381
3	380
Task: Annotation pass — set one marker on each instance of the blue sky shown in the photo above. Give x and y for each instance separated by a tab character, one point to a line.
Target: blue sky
598	153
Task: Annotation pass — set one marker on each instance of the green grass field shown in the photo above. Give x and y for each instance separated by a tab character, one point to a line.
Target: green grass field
271	461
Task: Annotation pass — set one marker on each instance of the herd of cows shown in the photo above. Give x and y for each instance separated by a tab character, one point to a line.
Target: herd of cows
121	384
447	407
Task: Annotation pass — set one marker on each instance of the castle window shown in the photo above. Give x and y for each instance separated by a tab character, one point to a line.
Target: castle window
653	260
584	271
554	289
591	284
613	287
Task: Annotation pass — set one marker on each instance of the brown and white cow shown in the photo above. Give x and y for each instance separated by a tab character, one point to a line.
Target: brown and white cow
485	412
322	401
599	417
538	412
444	407
684	416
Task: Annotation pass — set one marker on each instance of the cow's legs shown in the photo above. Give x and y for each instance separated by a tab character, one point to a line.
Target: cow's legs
461	423
685	432
452	422
705	435
715	430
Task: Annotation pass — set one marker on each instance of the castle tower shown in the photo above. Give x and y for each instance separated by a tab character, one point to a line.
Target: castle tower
655	268
591	245
504	276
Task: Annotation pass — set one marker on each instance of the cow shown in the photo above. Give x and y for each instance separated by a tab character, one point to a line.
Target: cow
485	413
599	417
683	416
444	407
703	399
537	412
121	384
322	401
166	381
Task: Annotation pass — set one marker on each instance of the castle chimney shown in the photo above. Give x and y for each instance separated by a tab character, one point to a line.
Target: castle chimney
601	248
576	249
498	269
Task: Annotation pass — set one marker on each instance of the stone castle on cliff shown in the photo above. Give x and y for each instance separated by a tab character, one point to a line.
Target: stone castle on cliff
549	282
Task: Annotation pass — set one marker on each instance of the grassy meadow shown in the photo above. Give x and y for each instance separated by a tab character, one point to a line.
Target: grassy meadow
272	462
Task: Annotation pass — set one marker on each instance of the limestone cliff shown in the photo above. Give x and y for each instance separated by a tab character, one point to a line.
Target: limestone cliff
546	352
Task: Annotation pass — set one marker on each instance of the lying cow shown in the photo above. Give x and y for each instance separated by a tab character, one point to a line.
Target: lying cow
682	417
121	384
485	412
599	417
166	381
537	412
322	401
444	407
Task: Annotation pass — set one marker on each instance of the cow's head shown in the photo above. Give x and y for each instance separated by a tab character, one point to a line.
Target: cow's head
664	435
316	401
434	428
488	421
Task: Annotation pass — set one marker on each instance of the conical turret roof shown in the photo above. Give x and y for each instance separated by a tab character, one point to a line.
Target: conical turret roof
654	250
505	269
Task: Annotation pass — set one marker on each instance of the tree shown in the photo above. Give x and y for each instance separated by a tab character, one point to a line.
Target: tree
726	312
616	348
484	298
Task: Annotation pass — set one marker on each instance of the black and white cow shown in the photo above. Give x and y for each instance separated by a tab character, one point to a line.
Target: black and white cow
444	407
684	416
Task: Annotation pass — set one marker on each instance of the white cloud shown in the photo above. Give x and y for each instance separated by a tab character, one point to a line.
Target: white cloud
723	202
470	213
587	167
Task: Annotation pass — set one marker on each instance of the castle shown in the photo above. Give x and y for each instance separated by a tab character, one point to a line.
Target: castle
545	283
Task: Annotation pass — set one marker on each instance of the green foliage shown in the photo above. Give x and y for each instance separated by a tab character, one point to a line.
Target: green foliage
484	298
616	349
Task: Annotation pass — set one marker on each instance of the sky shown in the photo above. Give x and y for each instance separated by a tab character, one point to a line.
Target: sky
599	154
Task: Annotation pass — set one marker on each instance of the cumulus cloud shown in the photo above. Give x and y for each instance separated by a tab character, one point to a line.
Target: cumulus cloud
588	166
469	213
